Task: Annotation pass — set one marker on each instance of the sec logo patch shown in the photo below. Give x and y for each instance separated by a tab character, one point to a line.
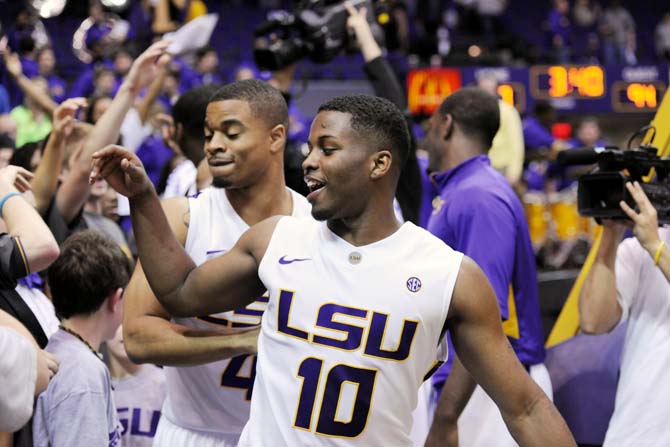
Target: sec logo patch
413	284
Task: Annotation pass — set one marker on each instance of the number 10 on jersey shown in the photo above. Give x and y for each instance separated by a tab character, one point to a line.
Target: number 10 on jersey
328	423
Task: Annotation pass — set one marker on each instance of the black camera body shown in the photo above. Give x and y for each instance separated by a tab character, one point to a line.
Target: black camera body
599	192
316	29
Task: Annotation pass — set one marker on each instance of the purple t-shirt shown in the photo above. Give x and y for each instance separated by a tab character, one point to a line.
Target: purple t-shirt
479	214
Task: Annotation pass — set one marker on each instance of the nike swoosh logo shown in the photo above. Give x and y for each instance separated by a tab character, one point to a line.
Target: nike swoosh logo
212	252
285	261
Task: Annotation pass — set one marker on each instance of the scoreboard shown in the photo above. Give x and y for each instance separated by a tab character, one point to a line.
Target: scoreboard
569	88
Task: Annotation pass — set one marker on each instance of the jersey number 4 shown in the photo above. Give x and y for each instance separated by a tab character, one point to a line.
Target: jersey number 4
234	375
330	421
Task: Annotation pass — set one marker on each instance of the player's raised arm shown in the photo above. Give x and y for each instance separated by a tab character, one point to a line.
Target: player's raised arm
226	283
481	345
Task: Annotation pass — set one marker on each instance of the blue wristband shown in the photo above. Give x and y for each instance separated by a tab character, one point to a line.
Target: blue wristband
6	198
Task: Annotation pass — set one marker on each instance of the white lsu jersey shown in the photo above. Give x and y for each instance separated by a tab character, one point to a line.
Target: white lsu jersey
215	397
348	336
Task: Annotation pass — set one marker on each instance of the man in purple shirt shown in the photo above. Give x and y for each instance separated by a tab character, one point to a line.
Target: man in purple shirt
477	212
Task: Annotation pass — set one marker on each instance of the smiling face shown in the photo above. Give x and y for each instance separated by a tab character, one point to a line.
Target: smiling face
237	144
337	168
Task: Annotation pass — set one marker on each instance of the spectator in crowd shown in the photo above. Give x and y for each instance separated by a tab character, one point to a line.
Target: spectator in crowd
662	35
97	106
617	28
28	27
25	371
183	134
205	71
139	392
507	150
478	209
86	283
32	118
46	63
586	13
629	282
588	134
560	31
541	145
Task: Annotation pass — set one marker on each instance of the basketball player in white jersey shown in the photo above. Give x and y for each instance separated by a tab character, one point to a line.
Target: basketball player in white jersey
358	303
209	383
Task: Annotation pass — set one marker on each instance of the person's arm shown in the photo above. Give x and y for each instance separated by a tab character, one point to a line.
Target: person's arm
143	105
23	221
455	395
28	87
73	193
46	364
379	71
599	310
481	345
148	334
225	283
45	182
512	134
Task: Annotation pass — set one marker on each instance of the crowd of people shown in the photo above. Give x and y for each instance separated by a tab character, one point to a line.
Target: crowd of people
171	278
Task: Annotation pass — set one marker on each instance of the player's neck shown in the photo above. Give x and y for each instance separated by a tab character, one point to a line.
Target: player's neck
266	198
460	150
369	227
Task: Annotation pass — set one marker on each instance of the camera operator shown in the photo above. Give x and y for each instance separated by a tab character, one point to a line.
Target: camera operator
629	283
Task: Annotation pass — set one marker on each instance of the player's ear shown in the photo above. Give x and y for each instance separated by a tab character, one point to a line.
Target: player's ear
277	138
381	164
114	302
447	126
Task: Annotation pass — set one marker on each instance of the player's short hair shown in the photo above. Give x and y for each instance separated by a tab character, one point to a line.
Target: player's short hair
90	267
265	101
377	120
476	113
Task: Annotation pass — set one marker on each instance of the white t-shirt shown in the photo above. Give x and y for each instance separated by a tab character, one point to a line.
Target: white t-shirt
18	372
138	400
349	335
642	408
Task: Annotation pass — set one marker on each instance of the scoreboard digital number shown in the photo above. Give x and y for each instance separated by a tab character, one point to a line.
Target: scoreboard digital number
572	81
636	96
514	94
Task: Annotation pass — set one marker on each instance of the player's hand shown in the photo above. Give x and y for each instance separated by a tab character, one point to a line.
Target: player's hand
147	66
357	20
16	177
248	337
645	223
64	115
122	169
47	367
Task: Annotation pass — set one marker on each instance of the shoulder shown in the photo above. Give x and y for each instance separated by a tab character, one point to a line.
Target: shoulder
479	195
177	211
